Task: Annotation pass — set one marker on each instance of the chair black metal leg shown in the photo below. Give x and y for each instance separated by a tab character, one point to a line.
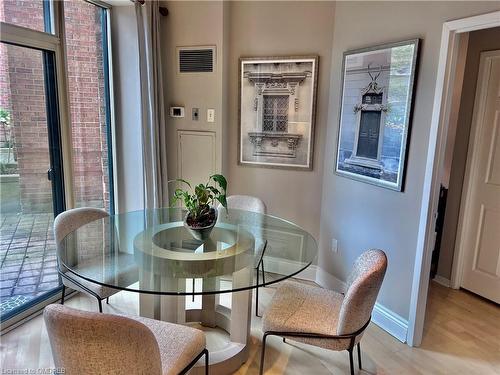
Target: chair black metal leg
351	337
193	288
263	272
186	369
257	295
263	353
206	362
62	295
359	356
100	304
351	362
107	300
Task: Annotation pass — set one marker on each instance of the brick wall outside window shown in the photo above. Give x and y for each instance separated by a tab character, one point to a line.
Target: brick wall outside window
87	103
22	94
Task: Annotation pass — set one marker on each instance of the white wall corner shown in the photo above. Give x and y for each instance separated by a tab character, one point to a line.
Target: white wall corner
327	280
310	273
386	319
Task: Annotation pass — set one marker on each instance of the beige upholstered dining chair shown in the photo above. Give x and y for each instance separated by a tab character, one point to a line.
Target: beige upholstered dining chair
65	223
85	342
325	318
253	204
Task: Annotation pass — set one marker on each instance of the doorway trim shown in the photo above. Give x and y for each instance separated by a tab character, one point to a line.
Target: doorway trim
434	166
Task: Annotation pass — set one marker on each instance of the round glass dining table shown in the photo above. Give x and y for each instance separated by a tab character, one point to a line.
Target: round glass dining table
151	252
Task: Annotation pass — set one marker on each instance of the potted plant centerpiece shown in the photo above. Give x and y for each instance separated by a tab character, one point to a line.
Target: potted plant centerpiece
199	202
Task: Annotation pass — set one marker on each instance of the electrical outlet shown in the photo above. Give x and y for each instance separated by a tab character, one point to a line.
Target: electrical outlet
335	248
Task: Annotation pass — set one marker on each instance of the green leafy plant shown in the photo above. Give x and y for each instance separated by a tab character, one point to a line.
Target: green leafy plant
199	200
4	116
8	141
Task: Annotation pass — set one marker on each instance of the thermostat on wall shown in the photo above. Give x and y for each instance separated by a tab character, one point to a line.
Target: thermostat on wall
176	111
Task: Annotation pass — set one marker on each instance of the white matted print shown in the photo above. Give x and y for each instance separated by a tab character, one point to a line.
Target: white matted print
277	111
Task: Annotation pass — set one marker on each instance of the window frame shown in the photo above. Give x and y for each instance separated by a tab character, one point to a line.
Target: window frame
109	99
48	44
55	172
110	104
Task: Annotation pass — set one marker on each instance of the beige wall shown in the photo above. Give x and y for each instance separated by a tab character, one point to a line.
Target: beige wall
245	29
479	41
281	29
359	215
192	24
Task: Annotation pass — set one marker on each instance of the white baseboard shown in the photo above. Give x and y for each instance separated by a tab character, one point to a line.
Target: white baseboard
286	267
390	322
386	319
443	281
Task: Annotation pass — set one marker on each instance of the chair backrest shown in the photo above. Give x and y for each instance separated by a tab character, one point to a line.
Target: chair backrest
94	343
252	204
247	203
70	220
363	285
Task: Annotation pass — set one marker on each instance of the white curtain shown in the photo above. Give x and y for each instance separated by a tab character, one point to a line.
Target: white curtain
154	143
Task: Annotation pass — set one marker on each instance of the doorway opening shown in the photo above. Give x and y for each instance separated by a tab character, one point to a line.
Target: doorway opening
465	166
447	93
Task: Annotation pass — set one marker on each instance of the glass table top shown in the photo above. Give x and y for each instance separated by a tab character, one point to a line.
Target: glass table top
152	252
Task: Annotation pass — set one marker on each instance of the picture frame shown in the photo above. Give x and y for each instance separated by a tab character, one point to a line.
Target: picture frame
277	111
376	105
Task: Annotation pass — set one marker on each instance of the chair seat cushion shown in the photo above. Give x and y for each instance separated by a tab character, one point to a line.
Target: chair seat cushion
300	308
178	344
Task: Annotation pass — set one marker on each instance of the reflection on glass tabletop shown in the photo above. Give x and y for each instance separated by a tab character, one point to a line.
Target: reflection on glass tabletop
151	251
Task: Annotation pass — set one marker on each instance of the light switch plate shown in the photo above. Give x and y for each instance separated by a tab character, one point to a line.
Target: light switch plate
210	115
335	248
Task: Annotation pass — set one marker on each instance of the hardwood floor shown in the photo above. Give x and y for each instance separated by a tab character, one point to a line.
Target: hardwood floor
462	336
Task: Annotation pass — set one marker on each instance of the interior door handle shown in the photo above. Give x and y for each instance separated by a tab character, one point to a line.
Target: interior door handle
50	174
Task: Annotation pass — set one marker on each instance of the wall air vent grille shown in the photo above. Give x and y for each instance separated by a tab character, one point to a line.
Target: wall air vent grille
196	60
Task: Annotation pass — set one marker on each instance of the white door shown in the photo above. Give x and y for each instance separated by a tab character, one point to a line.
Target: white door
481	229
196	156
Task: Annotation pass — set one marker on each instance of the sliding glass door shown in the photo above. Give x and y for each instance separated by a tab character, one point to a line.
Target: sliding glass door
49	50
31	184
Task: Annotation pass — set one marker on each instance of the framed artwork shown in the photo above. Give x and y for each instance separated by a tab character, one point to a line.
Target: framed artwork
277	103
375	113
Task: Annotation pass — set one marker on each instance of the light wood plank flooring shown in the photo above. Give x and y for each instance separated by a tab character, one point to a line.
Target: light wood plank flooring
462	336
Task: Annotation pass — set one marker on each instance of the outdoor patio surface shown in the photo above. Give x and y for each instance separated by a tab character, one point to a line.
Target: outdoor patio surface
28	258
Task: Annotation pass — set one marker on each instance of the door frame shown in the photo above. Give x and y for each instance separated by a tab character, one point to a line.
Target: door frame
448	56
48	41
466	200
25	37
